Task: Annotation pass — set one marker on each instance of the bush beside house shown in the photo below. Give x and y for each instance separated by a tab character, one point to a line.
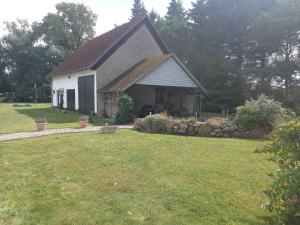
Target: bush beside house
125	112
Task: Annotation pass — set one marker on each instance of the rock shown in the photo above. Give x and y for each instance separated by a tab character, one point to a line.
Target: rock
235	127
181	131
183	127
198	124
138	124
236	133
218	130
219	135
256	133
229	129
170	127
212	134
191	130
175	128
205	129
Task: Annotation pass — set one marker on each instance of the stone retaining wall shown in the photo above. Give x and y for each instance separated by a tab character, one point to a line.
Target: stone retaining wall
218	127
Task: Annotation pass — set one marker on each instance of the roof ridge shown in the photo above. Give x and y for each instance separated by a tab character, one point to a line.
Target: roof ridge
109	31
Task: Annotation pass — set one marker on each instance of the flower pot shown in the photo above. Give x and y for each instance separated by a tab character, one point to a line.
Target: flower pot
83	123
41	126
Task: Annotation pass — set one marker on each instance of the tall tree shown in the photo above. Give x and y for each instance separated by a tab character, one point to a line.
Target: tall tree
32	50
156	19
28	62
4	82
174	28
220	30
286	24
68	28
138	9
262	44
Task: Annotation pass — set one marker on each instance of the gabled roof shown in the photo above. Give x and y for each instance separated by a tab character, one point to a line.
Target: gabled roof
140	70
133	74
94	52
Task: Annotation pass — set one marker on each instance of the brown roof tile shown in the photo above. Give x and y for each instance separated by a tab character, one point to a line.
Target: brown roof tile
90	51
134	73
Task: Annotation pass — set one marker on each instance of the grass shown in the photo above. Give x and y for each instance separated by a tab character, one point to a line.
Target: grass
17	119
133	178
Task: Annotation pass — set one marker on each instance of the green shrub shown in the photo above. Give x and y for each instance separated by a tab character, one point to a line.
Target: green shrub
125	112
262	113
155	123
284	194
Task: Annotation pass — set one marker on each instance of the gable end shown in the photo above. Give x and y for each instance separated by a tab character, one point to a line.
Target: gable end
116	45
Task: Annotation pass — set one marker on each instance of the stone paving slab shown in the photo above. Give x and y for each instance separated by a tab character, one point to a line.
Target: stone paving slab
24	135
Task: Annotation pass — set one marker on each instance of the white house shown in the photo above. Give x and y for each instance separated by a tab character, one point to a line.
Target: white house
132	59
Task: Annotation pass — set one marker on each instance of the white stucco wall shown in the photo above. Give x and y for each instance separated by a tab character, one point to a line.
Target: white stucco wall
70	81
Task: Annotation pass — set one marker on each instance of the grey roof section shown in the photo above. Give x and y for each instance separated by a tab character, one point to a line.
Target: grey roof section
169	73
140	71
183	67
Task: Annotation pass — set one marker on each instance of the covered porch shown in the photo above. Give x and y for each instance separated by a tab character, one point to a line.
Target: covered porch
159	84
174	101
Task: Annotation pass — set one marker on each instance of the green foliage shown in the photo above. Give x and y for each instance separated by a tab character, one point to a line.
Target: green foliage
284	194
138	9
174	28
233	43
262	113
28	52
4	79
155	123
125	112
68	28
28	62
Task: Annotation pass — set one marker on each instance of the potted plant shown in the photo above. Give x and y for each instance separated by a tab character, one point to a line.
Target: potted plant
83	121
41	124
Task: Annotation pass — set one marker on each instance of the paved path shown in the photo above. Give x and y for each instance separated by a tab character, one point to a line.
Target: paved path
23	135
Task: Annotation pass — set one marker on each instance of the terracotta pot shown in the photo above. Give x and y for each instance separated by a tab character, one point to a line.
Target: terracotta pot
41	126
83	123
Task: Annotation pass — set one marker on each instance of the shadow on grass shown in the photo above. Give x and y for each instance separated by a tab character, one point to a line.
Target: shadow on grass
55	116
52	115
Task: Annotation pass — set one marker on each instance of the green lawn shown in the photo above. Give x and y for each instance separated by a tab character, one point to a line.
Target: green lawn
132	178
16	119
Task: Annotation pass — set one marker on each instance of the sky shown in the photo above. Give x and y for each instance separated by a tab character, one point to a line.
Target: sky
110	12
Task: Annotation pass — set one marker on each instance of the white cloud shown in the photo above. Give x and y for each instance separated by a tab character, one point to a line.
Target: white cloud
109	12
